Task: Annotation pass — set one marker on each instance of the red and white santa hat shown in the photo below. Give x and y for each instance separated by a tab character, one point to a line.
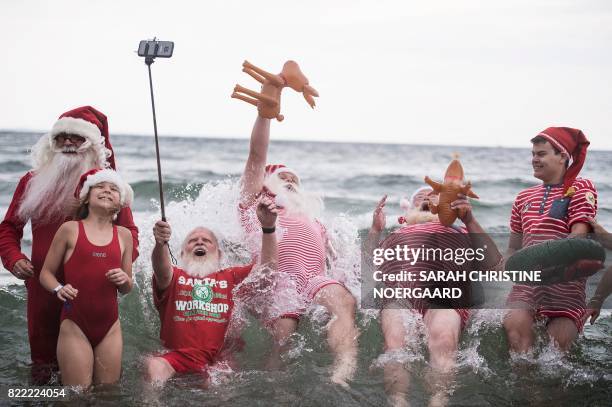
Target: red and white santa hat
275	169
84	121
574	144
96	176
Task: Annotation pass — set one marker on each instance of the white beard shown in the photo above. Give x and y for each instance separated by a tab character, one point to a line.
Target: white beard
417	216
49	195
293	199
198	267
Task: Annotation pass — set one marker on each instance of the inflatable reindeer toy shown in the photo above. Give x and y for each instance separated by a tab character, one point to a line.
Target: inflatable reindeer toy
453	185
268	99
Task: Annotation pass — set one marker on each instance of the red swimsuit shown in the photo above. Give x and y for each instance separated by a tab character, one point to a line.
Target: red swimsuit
95	308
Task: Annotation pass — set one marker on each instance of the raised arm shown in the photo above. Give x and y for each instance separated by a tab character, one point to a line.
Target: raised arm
267	213
160	257
253	177
478	236
379	221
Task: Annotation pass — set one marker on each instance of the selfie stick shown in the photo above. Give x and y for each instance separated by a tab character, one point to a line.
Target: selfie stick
149	60
150	50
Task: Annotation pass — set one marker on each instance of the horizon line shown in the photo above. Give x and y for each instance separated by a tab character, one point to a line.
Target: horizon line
233	137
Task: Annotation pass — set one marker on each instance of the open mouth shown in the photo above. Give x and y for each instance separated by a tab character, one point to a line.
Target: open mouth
200	252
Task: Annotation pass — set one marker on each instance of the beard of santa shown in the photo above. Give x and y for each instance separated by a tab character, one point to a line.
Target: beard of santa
200	266
417	216
49	194
293	199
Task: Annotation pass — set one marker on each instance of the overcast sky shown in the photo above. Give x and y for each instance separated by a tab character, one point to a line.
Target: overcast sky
446	72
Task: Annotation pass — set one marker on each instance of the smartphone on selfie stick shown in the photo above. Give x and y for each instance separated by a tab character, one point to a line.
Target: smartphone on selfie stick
151	49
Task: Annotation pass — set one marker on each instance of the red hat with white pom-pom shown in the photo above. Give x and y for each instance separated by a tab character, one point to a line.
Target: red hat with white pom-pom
96	176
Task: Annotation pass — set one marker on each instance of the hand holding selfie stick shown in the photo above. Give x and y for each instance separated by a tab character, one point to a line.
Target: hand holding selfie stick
150	50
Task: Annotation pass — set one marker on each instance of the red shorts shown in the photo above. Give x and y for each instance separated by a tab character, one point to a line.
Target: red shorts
565	300
187	360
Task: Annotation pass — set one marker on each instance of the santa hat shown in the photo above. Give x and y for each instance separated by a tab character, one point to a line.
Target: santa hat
274	169
84	121
96	176
574	144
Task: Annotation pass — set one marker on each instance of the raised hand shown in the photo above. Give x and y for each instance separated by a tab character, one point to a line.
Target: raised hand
379	220
162	232
464	208
267	212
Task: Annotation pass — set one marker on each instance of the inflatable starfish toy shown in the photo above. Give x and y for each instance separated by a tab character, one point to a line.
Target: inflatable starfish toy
453	185
268	99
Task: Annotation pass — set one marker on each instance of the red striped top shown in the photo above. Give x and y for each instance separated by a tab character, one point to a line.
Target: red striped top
301	243
542	213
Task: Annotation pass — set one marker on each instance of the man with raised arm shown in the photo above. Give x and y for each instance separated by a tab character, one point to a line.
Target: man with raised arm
444	320
195	300
303	247
79	141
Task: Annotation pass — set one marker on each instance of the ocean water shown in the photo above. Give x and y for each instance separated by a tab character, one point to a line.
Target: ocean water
201	177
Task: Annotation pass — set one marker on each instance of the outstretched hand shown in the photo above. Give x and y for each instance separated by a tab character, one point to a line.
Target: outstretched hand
379	220
267	212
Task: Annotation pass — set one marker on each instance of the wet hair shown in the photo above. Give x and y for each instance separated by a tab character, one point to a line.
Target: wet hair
82	211
541	140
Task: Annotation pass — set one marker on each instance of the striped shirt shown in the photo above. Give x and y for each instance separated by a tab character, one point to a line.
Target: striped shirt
430	235
301	244
542	213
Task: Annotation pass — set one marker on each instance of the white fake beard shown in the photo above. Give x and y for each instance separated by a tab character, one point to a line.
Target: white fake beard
199	267
417	216
293	199
49	195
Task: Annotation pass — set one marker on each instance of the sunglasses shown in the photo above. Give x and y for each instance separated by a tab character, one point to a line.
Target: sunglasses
72	137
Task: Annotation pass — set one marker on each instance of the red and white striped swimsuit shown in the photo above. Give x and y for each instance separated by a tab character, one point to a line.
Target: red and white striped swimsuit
542	213
430	235
301	251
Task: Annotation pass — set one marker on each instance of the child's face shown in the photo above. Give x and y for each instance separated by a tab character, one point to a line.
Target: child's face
105	195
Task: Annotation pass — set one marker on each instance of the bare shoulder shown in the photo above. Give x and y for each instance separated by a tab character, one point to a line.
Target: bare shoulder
68	232
68	228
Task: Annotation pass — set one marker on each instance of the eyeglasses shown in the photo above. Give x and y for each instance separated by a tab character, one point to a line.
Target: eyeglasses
72	137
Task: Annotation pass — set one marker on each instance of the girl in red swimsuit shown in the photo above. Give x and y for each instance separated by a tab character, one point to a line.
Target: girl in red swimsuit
97	262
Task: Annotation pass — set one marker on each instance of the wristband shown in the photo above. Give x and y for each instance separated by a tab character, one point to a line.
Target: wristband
56	289
268	230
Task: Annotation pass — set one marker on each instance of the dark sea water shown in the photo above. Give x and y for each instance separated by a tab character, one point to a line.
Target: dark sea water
200	182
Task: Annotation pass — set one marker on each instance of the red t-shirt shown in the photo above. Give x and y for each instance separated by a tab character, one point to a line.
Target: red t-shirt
195	312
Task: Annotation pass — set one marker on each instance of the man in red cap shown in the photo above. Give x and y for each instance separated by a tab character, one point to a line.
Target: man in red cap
77	142
558	208
303	249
